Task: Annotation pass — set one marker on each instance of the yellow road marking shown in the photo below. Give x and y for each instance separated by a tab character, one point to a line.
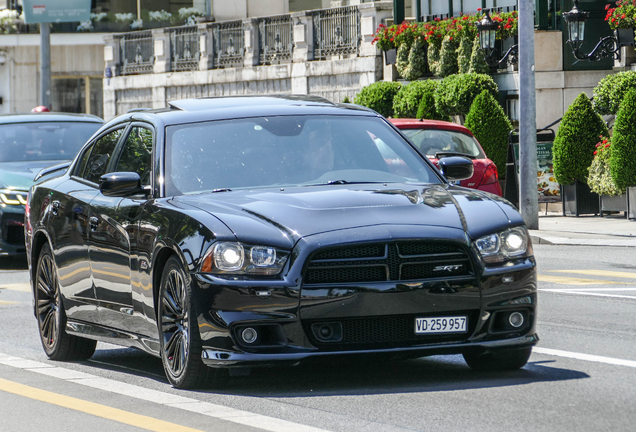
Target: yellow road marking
600	273
95	409
576	281
24	287
4	302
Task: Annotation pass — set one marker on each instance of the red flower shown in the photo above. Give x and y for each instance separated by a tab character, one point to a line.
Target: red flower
598	145
391	39
607	145
607	6
604	141
595	152
623	16
464	18
478	9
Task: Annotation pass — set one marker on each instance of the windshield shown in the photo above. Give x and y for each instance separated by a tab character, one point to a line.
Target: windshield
433	141
44	140
288	151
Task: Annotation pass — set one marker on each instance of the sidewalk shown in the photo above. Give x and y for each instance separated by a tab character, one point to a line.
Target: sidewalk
610	230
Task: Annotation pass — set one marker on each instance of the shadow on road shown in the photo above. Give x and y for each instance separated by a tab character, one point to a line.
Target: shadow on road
429	374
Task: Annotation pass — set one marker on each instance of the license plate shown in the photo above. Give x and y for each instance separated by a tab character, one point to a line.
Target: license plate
453	324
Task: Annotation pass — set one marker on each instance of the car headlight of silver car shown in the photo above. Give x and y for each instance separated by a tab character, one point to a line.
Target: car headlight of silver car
239	258
504	245
12	197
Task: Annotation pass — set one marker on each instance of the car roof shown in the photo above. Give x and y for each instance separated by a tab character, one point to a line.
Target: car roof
233	107
48	117
408	123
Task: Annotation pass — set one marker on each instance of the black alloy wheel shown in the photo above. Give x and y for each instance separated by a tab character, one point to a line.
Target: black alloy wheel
508	359
179	331
57	344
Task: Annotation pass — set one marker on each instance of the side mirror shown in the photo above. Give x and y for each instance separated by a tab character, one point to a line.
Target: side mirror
456	168
120	184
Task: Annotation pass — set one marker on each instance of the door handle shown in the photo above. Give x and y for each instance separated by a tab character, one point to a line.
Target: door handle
55	207
93	222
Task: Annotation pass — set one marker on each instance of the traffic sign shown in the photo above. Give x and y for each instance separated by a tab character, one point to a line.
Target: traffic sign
54	11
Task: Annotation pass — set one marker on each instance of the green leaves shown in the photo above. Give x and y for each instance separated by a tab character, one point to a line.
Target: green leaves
623	156
490	125
576	140
379	97
456	93
409	97
611	90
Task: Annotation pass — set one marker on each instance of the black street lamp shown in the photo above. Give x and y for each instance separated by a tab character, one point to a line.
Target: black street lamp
609	46
487	29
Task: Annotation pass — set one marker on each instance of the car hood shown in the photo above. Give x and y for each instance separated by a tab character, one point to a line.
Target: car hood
293	213
19	175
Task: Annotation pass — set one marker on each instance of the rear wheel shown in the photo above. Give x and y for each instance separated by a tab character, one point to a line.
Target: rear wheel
509	359
57	344
179	330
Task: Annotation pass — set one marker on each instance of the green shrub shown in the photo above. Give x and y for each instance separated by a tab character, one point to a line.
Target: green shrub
427	109
407	100
402	59
456	93
448	57
378	96
416	61
464	53
623	158
346	100
490	125
434	48
599	176
477	60
611	90
576	140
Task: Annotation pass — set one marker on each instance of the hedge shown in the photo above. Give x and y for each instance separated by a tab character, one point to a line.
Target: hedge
611	90
379	96
456	93
575	141
623	157
490	125
408	98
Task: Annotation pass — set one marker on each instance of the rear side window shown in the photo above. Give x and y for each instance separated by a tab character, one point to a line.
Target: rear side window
96	158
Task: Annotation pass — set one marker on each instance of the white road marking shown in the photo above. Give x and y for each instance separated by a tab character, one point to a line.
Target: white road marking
162	398
586	357
579	292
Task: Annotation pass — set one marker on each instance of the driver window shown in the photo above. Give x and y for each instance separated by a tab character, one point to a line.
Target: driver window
136	155
103	149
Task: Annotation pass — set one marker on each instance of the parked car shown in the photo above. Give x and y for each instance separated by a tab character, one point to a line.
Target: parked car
437	139
263	231
29	143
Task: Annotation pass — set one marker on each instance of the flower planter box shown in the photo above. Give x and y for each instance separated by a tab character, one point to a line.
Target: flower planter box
610	203
631	202
390	56
625	37
578	199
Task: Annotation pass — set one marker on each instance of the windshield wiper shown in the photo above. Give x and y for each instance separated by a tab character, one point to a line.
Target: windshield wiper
450	153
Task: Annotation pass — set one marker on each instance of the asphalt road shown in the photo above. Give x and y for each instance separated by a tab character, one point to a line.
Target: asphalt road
581	377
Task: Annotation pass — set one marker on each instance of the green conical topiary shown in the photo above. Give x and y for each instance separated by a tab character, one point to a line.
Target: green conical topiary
402	59
576	140
448	57
434	47
416	61
490	125
623	157
408	98
477	60
427	109
464	53
378	96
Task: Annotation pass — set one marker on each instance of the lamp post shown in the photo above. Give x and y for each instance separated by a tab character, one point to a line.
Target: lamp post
609	46
487	29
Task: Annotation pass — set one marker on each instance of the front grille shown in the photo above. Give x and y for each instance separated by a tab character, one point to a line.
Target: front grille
15	235
381	262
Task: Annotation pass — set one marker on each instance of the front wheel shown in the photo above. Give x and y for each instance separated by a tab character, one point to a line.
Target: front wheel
57	344
509	359
179	330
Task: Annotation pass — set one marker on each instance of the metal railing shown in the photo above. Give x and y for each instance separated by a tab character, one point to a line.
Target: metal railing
184	48
136	54
276	39
229	44
336	32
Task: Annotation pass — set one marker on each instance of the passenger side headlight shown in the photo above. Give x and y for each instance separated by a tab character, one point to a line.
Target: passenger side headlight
504	245
12	197
237	258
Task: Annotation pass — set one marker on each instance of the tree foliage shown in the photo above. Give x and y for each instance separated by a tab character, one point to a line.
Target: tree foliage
448	57
408	98
379	97
464	53
477	60
576	140
623	157
611	90
456	93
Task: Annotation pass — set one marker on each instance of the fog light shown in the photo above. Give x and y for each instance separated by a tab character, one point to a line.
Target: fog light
249	335
516	319
326	332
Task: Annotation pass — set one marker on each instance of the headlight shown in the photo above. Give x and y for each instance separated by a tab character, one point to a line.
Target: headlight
12	197
504	245
237	258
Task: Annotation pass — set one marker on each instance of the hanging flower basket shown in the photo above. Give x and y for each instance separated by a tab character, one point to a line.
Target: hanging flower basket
390	56
625	36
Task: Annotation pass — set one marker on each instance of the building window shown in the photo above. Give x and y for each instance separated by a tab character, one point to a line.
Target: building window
77	95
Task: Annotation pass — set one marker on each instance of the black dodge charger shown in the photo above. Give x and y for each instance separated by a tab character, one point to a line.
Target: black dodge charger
264	231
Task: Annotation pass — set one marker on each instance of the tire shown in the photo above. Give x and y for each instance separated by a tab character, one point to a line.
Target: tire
510	359
179	329
57	344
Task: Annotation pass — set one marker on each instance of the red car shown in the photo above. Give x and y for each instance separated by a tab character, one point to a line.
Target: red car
436	139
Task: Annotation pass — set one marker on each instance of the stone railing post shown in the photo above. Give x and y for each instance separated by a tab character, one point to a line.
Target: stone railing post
111	56
206	47
303	36
252	54
161	48
371	16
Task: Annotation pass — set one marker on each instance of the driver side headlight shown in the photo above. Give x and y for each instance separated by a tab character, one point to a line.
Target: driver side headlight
237	258
504	245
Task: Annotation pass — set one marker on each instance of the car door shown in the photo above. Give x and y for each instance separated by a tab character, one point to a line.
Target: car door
113	237
68	224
